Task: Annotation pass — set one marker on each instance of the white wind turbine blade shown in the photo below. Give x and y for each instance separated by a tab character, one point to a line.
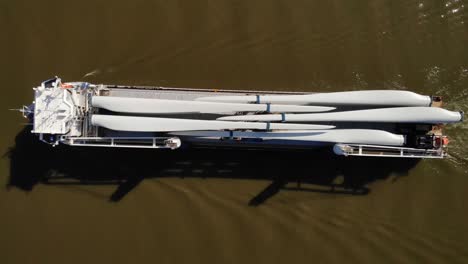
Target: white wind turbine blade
356	136
422	115
371	97
162	106
155	124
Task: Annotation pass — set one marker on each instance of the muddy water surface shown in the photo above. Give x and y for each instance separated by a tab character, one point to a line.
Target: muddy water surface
207	206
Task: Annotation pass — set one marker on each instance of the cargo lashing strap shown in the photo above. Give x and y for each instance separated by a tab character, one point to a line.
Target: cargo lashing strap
268	107
258	99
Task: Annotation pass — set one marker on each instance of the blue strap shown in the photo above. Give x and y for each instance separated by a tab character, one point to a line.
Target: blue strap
231	134
268	107
283	117
268	126
258	99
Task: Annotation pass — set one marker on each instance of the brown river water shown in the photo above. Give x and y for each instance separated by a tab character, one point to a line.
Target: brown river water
63	205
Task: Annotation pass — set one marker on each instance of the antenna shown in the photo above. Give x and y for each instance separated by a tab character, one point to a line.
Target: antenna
25	110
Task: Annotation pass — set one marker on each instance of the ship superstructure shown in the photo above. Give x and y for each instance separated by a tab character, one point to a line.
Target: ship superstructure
383	123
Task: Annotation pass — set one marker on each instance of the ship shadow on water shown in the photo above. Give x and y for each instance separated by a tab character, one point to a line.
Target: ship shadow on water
33	162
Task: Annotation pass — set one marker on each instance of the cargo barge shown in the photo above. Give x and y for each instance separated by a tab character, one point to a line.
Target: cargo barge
379	123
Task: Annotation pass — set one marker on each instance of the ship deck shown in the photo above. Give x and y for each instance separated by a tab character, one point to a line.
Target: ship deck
84	133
